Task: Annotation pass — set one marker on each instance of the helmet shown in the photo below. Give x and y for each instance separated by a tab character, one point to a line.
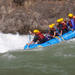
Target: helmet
61	19
36	31
58	20
70	15
51	26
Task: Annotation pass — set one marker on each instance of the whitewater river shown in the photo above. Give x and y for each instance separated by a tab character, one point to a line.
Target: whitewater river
55	60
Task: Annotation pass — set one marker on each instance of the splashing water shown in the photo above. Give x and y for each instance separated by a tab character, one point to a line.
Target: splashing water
10	42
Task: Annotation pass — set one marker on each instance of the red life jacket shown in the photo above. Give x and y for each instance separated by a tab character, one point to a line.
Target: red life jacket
64	26
41	36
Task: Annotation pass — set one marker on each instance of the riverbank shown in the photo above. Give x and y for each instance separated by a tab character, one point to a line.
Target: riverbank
32	14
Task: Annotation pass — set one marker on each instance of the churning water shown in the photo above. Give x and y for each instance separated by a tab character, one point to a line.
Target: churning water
10	42
54	60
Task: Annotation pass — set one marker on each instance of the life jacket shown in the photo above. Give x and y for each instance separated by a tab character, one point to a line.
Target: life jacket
72	22
52	32
64	26
41	36
59	28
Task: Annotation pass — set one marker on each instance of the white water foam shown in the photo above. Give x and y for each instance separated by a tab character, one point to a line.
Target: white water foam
9	42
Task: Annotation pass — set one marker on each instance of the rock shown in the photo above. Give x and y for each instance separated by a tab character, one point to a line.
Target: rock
32	14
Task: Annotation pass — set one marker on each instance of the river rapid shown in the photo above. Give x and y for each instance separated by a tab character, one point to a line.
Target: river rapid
58	59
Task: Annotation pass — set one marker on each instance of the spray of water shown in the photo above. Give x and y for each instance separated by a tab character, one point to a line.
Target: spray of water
9	42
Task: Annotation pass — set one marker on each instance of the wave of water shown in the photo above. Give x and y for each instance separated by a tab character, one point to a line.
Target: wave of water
9	42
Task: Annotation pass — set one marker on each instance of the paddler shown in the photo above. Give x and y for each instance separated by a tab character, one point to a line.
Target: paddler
62	26
71	22
38	37
53	33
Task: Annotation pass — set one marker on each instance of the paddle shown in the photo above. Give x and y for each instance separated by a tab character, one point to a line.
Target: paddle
29	38
58	38
62	38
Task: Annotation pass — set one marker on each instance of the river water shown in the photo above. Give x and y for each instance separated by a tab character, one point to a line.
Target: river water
54	60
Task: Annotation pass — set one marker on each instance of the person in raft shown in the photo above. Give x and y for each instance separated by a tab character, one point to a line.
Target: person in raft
61	26
52	32
71	22
38	37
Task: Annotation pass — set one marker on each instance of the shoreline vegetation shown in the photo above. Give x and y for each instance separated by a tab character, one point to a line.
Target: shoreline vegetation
24	15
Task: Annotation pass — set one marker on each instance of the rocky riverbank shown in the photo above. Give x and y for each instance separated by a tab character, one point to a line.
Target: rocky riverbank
30	14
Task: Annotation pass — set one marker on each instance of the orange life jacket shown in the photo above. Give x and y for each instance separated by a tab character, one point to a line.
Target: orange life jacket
41	36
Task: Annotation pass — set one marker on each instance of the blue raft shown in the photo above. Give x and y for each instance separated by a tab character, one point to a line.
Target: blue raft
66	36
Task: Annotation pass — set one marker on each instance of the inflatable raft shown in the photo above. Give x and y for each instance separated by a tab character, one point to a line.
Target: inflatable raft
66	36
